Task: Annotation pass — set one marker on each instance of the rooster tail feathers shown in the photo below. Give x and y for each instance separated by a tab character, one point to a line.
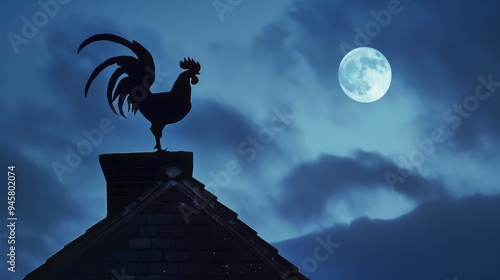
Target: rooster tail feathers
144	57
121	92
104	65
107	37
139	71
111	86
120	104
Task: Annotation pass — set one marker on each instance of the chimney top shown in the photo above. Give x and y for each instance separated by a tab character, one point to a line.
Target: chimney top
129	175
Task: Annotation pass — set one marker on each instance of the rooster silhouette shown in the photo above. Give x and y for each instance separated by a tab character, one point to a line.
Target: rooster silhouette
132	80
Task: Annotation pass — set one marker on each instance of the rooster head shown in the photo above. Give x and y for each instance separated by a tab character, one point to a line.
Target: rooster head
192	67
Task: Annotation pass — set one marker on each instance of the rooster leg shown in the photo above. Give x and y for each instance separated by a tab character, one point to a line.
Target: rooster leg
157	132
158	144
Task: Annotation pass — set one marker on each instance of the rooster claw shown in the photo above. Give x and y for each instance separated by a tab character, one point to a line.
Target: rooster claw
161	151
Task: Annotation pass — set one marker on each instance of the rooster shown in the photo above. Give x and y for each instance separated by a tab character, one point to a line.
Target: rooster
133	79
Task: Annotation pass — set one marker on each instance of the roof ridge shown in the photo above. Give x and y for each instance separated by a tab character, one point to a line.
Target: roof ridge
229	218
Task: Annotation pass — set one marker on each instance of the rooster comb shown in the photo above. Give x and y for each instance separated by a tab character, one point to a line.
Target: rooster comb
190	64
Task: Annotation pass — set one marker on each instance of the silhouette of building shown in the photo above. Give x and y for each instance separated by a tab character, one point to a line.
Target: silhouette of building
162	224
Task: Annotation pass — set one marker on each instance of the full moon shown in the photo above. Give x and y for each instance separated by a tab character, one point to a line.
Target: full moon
365	74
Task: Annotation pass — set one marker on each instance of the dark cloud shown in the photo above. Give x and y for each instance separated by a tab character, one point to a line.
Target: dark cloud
443	239
270	46
214	124
310	186
474	126
463	51
321	26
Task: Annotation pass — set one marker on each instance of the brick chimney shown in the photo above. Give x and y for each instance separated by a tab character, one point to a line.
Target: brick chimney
129	175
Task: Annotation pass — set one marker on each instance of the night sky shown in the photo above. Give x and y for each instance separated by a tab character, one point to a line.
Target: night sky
406	187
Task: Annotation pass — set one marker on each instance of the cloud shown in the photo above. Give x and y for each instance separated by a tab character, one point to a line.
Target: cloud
214	124
442	239
270	46
310	187
474	126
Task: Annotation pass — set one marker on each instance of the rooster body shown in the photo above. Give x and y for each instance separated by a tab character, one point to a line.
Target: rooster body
132	81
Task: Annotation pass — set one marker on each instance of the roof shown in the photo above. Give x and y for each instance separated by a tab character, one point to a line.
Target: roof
173	227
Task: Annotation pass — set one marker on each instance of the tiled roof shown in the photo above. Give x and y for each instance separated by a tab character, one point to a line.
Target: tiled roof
172	229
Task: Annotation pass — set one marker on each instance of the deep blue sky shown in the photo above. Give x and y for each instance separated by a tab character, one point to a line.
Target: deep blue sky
323	178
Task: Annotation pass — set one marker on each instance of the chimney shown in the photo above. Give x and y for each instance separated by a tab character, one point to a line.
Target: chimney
129	175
